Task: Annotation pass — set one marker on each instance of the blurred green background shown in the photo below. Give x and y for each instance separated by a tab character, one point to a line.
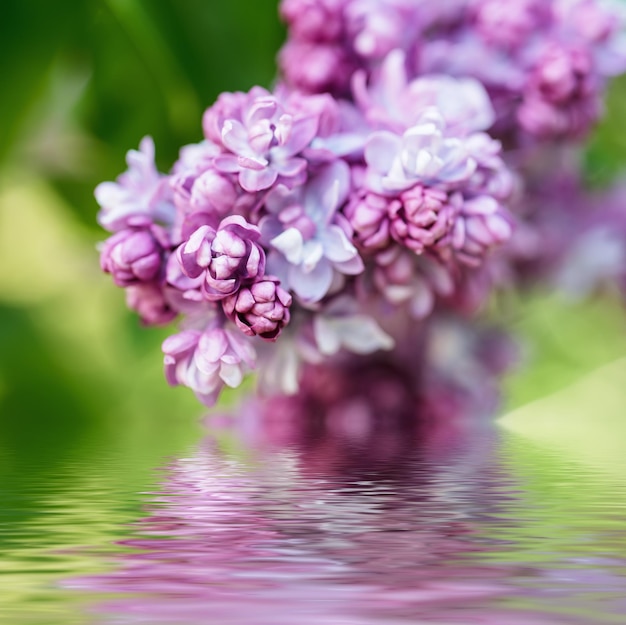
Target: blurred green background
84	81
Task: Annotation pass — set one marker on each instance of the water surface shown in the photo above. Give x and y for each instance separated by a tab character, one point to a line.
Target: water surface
438	525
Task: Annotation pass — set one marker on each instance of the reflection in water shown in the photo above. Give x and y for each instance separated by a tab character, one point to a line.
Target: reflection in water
317	515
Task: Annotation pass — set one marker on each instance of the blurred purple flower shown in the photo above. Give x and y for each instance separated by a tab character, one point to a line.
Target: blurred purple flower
509	25
343	325
391	101
404	279
562	97
149	301
482	224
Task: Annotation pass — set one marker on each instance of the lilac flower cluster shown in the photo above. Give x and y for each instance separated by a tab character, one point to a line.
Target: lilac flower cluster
544	62
368	196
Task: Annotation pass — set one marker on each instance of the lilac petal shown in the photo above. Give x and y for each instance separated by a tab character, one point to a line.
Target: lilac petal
362	335
337	246
235	137
231	374
352	267
290	243
303	131
262	109
211	347
327	192
325	336
195	255
227	163
290	167
180	343
283	128
381	149
278	266
393	77
423	299
313	285
256	163
312	253
256	262
260	136
242	349
171	366
270	228
252	180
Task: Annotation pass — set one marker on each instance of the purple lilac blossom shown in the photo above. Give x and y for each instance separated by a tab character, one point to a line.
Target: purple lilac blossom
141	195
227	257
404	279
262	137
422	216
261	309
134	255
207	361
149	301
305	227
480	226
368	214
499	44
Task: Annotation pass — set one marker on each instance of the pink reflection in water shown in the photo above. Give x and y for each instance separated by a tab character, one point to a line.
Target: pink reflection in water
352	503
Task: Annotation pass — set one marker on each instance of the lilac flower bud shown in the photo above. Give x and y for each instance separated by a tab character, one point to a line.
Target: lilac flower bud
316	67
482	225
213	192
227	257
206	361
561	98
134	255
508	24
368	214
261	309
148	300
313	20
421	217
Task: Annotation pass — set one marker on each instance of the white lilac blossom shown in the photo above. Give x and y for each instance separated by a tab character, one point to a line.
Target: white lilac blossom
388	185
422	154
310	240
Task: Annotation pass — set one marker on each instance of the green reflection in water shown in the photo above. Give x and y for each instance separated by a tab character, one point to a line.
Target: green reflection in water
566	458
